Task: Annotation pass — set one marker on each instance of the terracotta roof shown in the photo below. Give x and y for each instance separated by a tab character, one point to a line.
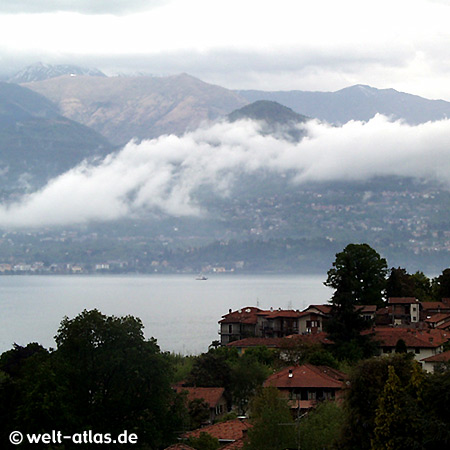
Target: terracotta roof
288	313
366	308
231	430
244	315
179	447
324	309
210	395
402	300
313	338
440	357
389	336
434	305
438	317
310	338
257	342
306	375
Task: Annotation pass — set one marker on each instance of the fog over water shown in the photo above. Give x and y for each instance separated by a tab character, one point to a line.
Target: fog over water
179	311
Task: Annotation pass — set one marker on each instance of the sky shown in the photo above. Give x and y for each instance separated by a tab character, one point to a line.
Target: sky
240	44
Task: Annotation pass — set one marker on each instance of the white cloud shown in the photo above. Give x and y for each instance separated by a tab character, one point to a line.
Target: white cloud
164	174
79	6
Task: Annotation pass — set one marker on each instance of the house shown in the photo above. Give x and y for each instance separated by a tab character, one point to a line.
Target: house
429	364
280	343
311	319
303	386
423	343
404	310
277	323
212	396
430	309
238	324
439	320
226	432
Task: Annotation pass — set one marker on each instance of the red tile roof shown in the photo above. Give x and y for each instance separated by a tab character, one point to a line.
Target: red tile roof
435	305
305	376
287	313
440	357
245	315
211	395
389	336
324	309
402	300
313	338
231	430
438	317
257	342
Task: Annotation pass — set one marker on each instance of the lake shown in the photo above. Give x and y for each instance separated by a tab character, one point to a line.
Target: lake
180	312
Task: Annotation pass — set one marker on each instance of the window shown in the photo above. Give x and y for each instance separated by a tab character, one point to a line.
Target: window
417	350
230	329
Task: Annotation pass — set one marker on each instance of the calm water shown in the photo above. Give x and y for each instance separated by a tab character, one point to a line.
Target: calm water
179	311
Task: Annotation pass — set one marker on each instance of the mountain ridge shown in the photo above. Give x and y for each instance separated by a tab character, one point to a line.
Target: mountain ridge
357	102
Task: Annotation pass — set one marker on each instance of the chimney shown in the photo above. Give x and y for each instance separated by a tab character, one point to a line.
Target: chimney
290	373
229	311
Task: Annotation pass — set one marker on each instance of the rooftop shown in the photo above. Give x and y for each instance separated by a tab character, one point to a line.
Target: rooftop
228	431
306	376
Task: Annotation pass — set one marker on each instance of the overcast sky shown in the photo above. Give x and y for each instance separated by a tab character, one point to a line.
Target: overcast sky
272	45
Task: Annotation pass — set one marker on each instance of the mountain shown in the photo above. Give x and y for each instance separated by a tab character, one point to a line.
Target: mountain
269	111
36	142
358	102
40	71
278	119
124	108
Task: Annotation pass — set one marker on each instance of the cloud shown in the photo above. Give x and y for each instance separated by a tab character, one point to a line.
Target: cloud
164	174
79	6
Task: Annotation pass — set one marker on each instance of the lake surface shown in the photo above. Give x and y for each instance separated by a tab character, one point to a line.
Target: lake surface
179	311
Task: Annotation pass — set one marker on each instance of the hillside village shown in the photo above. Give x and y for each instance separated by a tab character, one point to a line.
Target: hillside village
405	324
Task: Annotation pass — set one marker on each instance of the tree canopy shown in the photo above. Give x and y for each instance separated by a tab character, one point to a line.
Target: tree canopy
104	376
359	272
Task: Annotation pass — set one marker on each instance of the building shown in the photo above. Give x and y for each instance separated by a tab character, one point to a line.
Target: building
422	343
404	310
212	396
429	364
238	324
227	432
303	386
277	323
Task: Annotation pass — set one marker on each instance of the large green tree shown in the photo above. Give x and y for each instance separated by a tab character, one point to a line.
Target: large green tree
273	426
104	376
359	273
382	394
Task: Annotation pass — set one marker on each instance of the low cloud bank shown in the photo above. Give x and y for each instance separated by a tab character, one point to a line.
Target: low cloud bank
163	174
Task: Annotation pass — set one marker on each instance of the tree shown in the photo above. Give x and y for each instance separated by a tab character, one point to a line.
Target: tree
422	287
442	285
273	426
247	375
358	277
400	283
204	442
359	273
367	383
321	428
395	427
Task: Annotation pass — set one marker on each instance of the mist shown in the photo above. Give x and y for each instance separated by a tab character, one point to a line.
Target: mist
163	175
